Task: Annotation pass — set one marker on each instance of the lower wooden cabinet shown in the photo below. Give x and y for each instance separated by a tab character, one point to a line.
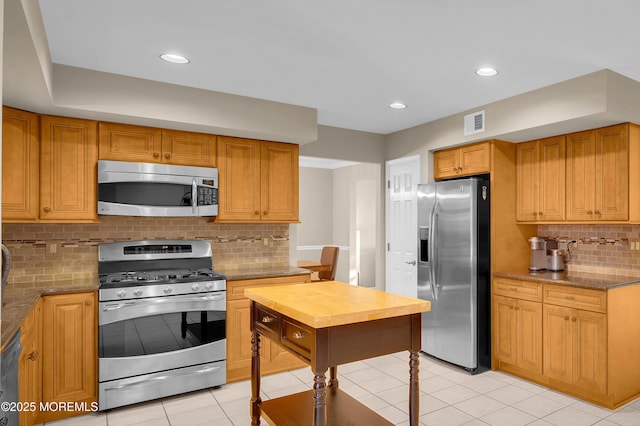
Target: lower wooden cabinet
580	341
69	353
274	358
30	365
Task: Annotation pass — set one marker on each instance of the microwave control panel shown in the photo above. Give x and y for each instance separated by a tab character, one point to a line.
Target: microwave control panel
207	196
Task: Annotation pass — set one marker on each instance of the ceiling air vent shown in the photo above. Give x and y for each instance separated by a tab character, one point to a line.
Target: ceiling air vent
474	123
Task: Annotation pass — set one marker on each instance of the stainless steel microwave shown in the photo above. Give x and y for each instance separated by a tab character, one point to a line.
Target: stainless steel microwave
147	189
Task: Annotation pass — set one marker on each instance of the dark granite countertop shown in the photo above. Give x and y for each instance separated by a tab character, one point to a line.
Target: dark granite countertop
254	272
577	279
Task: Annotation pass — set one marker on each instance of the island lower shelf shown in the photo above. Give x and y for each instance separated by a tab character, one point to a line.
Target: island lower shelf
342	409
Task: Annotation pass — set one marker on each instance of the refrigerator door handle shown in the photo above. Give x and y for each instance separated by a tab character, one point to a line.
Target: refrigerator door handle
432	251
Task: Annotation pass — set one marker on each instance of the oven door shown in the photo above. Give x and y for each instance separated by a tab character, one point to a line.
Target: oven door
150	335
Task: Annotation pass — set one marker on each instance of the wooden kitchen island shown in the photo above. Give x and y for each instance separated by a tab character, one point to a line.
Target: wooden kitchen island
327	324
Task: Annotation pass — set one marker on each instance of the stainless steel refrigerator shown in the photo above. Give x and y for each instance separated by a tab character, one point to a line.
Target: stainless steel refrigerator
454	270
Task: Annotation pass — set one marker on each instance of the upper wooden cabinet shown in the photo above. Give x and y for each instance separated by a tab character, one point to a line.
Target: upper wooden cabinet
466	160
540	176
598	173
20	165
123	142
258	181
68	174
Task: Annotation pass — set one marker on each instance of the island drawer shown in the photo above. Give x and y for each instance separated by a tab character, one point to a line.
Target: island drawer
576	297
298	338
526	290
268	322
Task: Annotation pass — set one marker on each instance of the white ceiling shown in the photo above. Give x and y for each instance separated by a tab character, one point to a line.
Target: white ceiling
350	59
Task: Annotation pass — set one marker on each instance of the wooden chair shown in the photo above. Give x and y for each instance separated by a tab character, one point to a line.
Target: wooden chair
329	256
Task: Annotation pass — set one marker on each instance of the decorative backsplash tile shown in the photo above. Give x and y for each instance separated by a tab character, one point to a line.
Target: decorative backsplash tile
599	248
42	252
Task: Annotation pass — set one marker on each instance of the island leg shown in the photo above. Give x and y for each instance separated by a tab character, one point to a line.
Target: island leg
255	379
414	388
319	399
333	377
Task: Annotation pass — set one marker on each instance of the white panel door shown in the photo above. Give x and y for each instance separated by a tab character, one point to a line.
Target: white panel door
402	177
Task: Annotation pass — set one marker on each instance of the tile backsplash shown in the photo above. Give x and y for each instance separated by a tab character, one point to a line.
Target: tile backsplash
41	252
600	248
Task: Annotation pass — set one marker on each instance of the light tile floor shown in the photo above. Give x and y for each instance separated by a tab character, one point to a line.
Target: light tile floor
448	397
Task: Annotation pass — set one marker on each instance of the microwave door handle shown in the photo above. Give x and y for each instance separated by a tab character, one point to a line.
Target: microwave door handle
194	196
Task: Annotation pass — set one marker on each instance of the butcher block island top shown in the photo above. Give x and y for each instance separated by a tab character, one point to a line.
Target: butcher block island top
332	303
327	324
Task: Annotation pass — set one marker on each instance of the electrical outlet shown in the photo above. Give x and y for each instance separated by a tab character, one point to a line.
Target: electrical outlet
265	241
52	249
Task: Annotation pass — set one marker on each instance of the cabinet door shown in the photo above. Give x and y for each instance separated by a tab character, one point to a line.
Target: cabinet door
239	340
239	190
581	176
279	182
527	181
188	148
551	178
68	172
529	335
590	350
124	142
504	329
612	173
446	163
30	364
20	165
69	351
475	159
558	343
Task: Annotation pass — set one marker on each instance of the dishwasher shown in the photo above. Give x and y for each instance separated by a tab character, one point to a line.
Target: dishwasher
9	381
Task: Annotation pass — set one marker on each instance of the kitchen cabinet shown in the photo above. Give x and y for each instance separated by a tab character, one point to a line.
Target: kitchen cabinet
540	176
598	174
258	181
69	352
274	358
30	365
124	142
20	165
589	341
467	160
68	173
517	326
575	340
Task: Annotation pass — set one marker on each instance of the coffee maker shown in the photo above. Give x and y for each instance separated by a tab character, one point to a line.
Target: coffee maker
545	255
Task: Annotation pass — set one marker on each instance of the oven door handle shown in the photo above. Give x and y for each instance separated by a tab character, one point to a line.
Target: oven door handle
118	311
194	195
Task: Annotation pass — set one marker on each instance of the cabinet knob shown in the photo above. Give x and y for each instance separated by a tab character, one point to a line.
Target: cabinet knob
535	213
573	319
256	212
266	212
167	155
88	303
156	154
566	318
516	308
539	213
597	212
33	356
46	209
298	334
267	319
589	212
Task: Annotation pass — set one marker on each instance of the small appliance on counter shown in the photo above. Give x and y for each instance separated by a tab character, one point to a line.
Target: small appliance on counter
545	254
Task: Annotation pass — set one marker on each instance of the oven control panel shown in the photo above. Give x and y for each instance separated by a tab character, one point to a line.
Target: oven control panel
174	289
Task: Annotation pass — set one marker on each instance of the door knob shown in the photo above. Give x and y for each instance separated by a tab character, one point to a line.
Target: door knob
413	262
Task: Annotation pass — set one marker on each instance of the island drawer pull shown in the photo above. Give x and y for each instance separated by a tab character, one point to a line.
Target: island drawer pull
298	334
267	319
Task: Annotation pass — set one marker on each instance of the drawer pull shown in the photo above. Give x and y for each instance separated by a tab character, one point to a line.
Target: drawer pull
566	318
298	334
573	319
267	319
33	355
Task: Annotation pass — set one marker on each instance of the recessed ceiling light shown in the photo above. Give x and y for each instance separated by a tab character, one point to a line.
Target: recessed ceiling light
397	105
486	72
175	59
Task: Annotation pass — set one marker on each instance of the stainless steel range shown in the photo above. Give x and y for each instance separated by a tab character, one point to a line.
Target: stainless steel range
161	321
